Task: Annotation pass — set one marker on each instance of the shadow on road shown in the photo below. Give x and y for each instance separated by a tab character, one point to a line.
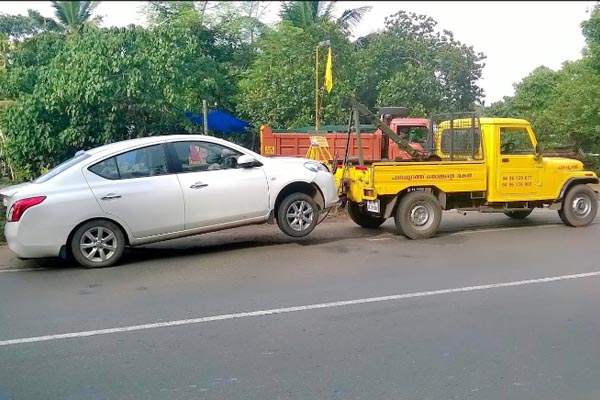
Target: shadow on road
258	236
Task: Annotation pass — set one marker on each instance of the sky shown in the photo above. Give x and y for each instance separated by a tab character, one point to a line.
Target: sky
516	36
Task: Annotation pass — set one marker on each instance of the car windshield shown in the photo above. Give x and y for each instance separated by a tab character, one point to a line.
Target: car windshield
61	167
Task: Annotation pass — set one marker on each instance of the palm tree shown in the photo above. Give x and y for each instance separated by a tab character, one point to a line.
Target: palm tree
303	14
72	16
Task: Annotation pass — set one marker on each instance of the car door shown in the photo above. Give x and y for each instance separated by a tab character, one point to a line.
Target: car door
137	187
518	168
215	190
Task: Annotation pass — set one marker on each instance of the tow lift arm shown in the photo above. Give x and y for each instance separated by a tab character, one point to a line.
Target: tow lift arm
402	143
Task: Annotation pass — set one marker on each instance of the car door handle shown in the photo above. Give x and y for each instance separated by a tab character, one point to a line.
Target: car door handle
198	185
505	160
111	196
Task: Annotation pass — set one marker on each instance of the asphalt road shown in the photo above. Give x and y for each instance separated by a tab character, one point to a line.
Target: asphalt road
490	308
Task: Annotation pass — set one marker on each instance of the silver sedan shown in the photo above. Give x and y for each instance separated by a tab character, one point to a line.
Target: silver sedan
151	189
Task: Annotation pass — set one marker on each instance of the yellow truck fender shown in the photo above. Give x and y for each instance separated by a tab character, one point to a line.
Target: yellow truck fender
391	205
572	182
557	205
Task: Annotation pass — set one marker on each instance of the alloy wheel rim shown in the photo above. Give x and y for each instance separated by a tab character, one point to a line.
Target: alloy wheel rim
300	215
98	244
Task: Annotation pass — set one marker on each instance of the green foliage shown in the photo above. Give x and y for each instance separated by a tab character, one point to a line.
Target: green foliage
20	27
161	12
304	14
572	116
109	85
591	32
279	89
27	62
73	16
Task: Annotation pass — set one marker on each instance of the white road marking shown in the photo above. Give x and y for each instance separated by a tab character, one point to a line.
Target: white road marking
292	309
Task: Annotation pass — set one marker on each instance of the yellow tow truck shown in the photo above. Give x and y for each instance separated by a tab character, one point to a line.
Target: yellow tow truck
468	164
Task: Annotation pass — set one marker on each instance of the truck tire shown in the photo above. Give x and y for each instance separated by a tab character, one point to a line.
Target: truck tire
97	244
579	206
418	215
521	214
297	215
362	218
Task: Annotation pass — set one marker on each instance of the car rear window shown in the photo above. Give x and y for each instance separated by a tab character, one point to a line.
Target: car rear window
61	167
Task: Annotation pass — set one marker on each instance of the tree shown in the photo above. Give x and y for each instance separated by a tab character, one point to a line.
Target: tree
591	32
72	16
411	64
190	12
279	88
303	14
107	85
21	27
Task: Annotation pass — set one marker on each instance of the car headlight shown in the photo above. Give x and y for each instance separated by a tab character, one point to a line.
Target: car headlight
316	166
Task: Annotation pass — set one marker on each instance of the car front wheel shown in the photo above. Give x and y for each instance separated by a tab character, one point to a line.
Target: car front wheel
97	244
297	215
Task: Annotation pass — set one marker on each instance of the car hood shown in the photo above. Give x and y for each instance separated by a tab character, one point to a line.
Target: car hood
290	160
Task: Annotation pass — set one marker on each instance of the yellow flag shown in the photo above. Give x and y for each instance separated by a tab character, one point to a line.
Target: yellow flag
328	74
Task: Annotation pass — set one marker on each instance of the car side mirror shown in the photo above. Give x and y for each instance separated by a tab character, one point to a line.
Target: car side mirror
246	161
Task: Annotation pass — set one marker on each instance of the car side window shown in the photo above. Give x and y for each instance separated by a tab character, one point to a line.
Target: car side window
515	141
106	169
204	156
139	163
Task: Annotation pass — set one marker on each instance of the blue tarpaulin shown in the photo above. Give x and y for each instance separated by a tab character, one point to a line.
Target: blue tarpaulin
220	121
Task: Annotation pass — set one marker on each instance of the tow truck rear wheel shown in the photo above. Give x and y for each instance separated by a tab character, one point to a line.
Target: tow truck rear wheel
579	207
418	215
362	218
520	214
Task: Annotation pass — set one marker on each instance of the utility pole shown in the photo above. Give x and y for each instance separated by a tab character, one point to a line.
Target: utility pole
205	116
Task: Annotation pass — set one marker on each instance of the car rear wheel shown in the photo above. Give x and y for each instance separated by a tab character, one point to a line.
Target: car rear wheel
579	207
97	244
297	215
362	218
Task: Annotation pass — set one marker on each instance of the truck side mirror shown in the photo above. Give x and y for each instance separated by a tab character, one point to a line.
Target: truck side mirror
538	152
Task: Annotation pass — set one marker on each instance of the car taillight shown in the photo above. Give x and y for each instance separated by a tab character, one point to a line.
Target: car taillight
19	207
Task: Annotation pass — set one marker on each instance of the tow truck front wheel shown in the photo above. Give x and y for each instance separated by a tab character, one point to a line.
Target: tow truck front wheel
579	207
418	215
362	218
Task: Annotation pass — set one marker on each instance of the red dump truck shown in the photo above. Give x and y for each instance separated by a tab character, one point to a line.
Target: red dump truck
375	145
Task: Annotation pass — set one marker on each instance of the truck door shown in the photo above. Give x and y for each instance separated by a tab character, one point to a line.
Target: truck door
518	170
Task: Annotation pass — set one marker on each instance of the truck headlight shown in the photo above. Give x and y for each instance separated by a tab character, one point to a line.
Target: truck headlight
316	166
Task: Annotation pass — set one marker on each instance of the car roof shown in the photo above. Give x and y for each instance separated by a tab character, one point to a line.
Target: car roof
124	145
